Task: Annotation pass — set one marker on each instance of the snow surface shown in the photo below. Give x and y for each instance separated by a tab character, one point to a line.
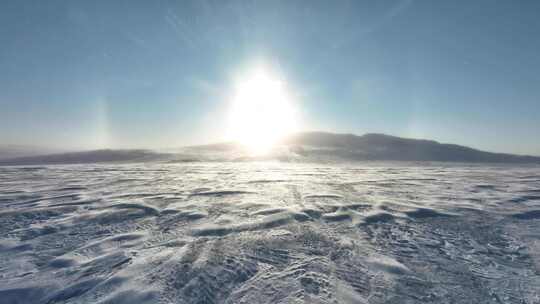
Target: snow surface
270	232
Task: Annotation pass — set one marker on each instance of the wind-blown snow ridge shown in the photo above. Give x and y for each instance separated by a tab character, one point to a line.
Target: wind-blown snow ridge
270	232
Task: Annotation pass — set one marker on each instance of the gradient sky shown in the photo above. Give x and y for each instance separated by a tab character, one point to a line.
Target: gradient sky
93	74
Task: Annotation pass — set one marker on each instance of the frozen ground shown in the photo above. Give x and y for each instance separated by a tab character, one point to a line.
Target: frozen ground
270	233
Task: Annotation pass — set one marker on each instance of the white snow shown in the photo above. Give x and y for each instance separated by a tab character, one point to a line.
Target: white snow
270	232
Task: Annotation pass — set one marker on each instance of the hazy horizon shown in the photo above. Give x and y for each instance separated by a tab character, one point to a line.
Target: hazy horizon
22	151
88	75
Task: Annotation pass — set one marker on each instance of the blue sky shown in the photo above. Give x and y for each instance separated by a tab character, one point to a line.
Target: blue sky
93	74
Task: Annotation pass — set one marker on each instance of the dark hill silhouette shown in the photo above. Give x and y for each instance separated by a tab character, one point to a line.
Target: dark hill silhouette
385	147
309	146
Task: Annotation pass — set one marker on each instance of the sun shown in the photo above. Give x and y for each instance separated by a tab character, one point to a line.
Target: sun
262	112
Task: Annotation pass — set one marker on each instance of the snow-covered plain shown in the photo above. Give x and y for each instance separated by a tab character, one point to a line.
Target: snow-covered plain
270	232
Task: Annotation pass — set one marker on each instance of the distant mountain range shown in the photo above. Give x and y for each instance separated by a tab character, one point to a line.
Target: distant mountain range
386	147
309	146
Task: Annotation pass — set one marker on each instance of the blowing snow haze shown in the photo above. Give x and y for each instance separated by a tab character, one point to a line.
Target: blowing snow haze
233	152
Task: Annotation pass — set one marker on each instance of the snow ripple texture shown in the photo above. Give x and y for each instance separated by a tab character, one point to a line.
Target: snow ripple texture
270	233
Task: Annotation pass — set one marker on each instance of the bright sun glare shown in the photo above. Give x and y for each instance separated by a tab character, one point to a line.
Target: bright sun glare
262	112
